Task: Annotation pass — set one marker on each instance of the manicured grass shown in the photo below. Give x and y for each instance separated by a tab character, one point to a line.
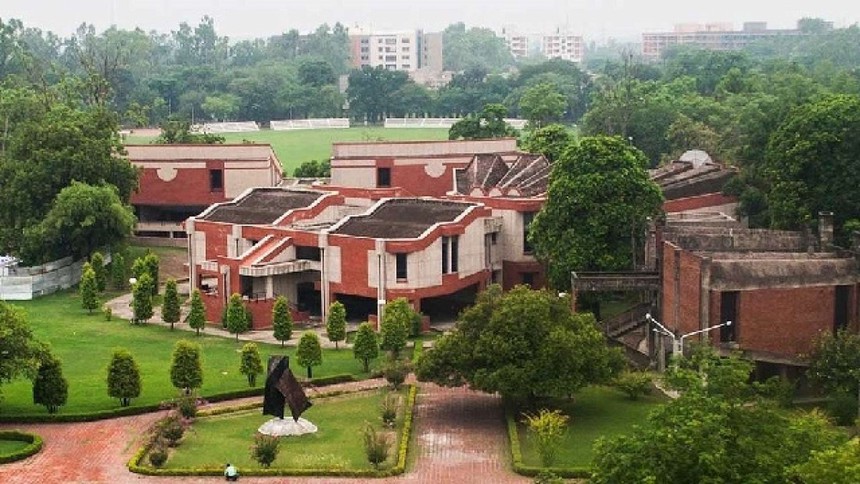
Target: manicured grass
596	412
295	147
9	446
338	443
84	343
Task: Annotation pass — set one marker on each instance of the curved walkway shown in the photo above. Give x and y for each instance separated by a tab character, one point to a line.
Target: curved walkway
459	438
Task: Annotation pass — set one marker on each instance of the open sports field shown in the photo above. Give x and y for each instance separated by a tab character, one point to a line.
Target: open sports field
295	147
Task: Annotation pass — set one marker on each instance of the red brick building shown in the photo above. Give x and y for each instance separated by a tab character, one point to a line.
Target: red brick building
364	245
179	181
779	289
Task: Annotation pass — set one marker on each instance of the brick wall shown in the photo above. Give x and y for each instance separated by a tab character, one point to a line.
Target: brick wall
190	187
697	202
512	274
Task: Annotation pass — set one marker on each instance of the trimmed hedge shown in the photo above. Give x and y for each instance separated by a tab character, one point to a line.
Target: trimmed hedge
532	471
135	464
137	410
34	441
416	352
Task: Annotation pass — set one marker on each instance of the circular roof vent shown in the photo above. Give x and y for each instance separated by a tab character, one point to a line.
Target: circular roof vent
697	158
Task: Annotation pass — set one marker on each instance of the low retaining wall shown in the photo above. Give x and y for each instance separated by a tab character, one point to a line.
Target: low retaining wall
26	283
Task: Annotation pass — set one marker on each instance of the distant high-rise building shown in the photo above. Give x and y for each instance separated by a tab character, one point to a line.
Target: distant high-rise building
715	36
563	45
517	43
400	51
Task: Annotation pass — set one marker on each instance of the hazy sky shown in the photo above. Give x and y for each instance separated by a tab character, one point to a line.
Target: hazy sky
596	19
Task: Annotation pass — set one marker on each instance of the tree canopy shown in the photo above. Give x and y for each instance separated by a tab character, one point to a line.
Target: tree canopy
490	123
599	197
522	344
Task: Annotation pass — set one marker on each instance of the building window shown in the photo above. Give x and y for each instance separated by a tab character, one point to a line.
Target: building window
527	220
494	238
444	255
400	267
528	278
729	312
455	254
308	253
383	177
216	180
840	308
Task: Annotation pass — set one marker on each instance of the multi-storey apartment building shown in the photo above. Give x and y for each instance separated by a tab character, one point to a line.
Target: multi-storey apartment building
518	44
402	51
715	36
563	45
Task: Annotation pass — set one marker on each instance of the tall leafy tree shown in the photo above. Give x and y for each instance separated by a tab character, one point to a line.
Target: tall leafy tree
336	324
197	314
21	352
236	319
599	198
810	163
50	387
97	260
251	363
542	104
396	325
835	364
550	141
118	271
186	367
369	92
309	352
366	345
123	377
282	320
151	264
82	218
88	290
141	299
170	311
716	431
489	123
522	344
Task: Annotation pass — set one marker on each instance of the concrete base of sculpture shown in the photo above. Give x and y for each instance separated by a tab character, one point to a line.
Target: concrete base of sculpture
287	426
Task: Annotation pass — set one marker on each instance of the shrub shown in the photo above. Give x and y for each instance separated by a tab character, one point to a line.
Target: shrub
547	428
186	369
187	407
843	408
309	352
395	372
236	318
88	289
265	449
634	384
158	456
170	311
197	315
251	364
547	477
118	272
366	345
336	325
108	313
282	320
50	387
415	328
377	446
123	377
97	261
396	325
172	430
780	390
389	409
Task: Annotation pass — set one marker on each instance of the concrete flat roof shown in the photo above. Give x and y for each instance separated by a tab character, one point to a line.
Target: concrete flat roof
262	206
402	218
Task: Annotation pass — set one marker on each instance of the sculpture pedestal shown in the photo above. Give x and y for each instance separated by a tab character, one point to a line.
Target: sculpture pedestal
282	427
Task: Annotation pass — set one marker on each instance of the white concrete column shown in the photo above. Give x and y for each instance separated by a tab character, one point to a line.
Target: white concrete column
270	288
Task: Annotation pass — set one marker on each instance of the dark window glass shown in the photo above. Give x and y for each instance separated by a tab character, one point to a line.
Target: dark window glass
455	249
729	312
528	278
400	266
840	308
444	255
308	252
527	220
216	180
383	177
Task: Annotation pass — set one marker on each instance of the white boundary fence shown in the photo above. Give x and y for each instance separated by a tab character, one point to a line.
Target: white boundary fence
320	123
439	122
231	127
25	283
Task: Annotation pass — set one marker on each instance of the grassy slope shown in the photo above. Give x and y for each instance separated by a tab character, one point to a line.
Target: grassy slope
295	147
337	445
596	412
84	343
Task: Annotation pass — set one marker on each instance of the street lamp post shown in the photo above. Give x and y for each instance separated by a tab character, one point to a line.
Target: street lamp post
678	341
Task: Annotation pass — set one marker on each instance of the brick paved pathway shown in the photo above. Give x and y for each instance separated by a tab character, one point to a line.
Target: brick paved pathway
460	438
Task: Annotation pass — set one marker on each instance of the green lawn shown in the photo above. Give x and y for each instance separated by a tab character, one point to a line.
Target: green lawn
9	446
295	147
337	444
596	412
84	344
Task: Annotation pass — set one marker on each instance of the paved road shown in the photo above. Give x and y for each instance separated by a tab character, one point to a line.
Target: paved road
460	438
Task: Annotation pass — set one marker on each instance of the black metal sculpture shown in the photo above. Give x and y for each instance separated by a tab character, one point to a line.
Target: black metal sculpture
282	389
